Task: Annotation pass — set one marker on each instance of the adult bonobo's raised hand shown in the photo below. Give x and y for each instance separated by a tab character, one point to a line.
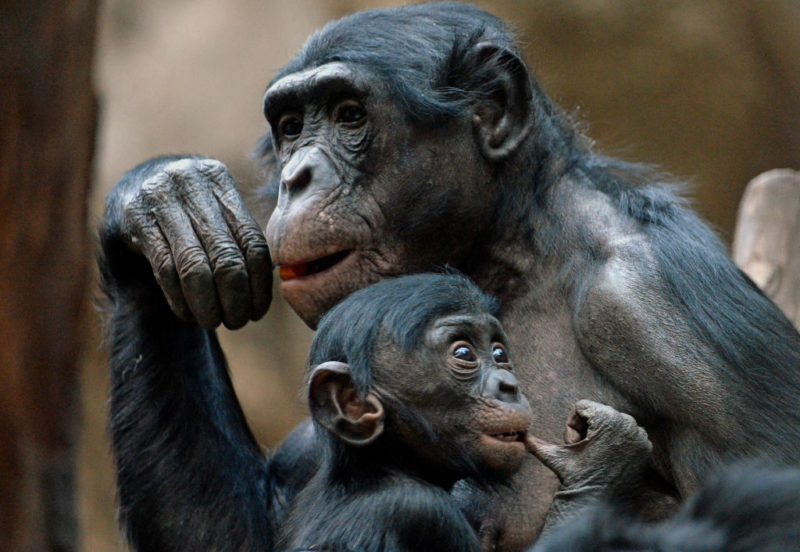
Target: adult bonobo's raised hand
208	254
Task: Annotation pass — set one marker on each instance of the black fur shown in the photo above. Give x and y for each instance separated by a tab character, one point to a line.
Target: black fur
404	307
379	497
184	453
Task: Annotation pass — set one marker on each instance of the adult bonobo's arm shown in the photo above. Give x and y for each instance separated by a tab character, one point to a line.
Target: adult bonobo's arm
190	474
605	456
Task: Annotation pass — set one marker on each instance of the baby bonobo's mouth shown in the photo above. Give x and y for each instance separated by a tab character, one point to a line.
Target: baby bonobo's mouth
292	272
509	436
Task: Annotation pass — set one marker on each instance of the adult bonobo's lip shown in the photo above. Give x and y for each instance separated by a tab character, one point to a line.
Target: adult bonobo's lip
290	272
313	286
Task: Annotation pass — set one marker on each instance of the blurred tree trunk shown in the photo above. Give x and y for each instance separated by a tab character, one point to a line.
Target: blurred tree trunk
766	244
47	128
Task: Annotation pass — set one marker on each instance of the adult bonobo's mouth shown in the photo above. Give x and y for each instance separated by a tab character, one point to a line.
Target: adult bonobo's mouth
316	283
309	268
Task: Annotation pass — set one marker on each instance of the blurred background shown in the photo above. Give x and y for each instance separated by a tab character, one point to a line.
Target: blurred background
709	91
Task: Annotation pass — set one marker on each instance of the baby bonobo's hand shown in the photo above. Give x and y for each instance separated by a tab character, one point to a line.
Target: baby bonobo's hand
605	454
604	449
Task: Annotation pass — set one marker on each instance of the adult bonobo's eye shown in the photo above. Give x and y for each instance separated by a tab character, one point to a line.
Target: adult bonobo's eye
499	354
290	125
349	112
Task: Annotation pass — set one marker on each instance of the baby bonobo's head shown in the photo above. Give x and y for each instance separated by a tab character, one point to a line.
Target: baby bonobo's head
415	371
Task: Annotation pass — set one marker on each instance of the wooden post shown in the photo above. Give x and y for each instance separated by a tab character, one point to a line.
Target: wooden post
47	128
767	240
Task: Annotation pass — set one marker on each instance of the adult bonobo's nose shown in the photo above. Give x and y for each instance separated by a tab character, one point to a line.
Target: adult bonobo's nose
299	170
503	386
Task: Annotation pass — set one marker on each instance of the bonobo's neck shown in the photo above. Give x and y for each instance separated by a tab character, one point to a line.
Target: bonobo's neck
513	253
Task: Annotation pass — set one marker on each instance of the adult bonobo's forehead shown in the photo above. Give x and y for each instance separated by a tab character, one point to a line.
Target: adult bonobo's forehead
419	49
312	85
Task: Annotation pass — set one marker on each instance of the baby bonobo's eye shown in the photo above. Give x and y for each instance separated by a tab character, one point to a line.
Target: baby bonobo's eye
462	350
499	354
463	360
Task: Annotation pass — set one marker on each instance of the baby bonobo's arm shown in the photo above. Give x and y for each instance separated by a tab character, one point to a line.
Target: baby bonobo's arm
605	454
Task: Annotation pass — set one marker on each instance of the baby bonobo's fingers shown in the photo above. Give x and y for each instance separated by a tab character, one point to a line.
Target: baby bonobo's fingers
576	428
601	419
555	457
612	447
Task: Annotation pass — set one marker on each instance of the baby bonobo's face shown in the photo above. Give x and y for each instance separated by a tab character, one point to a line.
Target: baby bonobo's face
461	380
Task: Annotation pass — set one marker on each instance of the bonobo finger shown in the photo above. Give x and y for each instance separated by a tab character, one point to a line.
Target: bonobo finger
552	456
154	246
575	431
191	262
590	409
250	239
597	416
226	260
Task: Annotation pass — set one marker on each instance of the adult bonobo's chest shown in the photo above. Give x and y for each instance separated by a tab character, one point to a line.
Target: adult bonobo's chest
553	370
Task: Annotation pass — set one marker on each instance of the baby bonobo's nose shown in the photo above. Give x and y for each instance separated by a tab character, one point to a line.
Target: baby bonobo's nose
503	386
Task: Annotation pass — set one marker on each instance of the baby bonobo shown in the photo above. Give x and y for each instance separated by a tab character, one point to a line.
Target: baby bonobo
411	389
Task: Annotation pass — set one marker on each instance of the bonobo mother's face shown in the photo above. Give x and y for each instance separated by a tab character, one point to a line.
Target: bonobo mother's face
364	193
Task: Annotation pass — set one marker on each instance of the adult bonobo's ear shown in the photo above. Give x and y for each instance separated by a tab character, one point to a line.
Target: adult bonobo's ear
502	113
336	404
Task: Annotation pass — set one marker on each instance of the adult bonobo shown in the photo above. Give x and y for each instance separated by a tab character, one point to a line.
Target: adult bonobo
410	139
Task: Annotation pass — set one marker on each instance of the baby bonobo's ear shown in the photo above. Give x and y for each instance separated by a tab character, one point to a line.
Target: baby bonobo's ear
335	403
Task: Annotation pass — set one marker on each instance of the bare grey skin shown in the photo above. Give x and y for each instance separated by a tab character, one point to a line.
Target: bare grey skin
612	291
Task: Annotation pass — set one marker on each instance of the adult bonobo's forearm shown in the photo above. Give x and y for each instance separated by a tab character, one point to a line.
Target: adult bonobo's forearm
190	474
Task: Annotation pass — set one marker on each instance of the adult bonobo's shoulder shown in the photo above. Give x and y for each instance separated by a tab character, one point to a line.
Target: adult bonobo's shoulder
664	294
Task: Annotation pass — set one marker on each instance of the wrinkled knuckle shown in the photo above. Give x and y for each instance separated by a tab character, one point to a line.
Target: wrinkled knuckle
249	232
135	206
256	252
157	185
163	265
192	263
228	262
182	167
134	219
213	169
